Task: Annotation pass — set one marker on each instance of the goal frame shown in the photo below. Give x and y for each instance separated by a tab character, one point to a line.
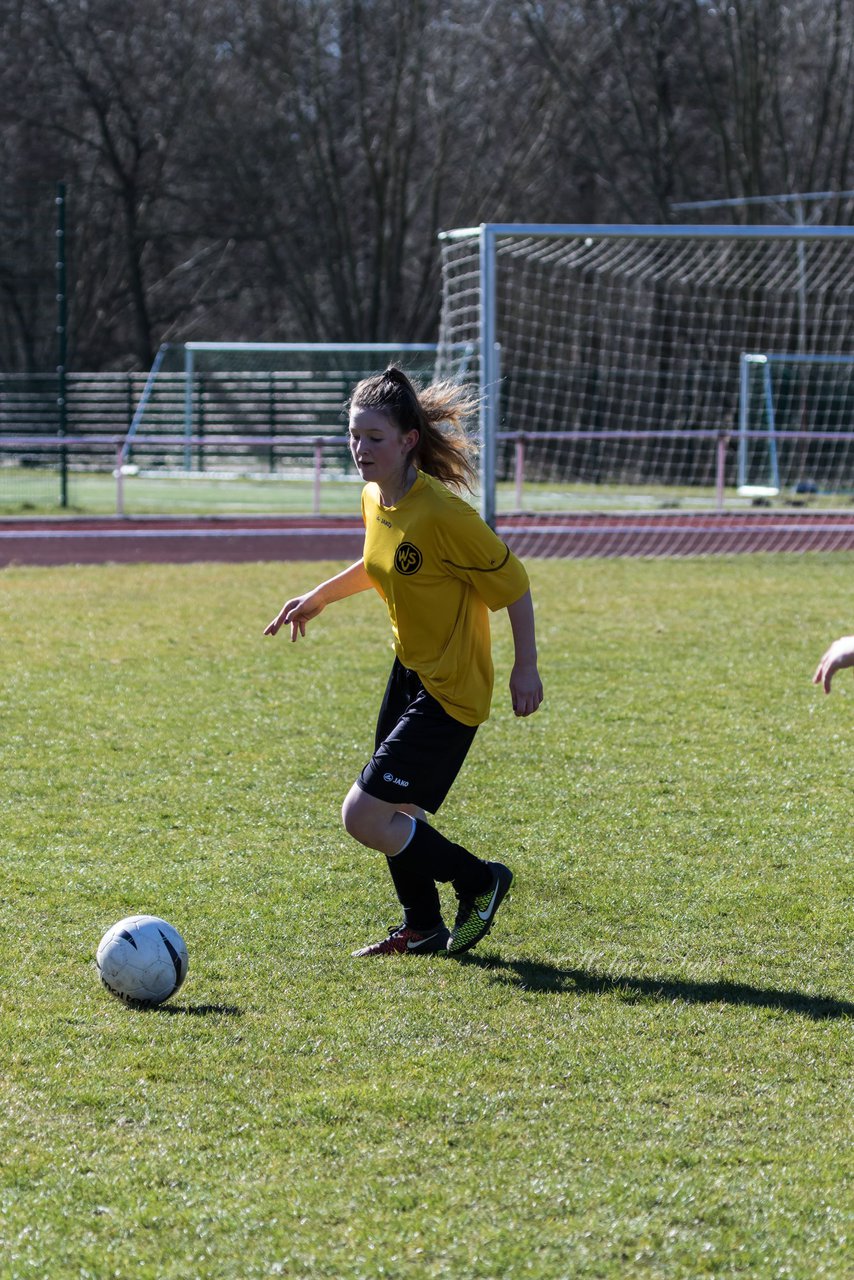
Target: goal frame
765	361
285	348
489	364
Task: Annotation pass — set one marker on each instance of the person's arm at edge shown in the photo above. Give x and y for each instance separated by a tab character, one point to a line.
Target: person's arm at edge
839	655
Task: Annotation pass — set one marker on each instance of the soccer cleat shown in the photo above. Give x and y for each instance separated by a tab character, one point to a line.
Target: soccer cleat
402	940
475	914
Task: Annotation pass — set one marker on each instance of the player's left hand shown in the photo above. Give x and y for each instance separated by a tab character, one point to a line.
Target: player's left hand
526	688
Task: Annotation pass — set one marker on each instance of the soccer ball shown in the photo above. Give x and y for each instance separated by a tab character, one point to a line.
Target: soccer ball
142	960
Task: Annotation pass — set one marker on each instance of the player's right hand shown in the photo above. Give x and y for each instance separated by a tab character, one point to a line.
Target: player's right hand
840	654
296	613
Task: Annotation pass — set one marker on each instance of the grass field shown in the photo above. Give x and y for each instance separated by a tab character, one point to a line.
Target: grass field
644	1071
30	492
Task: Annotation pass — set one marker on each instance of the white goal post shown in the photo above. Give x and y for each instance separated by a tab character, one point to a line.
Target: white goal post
608	358
244	406
796	423
345	362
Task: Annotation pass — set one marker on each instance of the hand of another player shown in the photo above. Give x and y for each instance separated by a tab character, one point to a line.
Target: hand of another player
526	688
296	613
840	654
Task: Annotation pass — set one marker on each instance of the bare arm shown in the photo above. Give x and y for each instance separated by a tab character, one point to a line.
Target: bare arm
302	609
526	688
840	654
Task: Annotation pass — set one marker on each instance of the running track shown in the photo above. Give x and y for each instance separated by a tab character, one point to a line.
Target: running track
96	540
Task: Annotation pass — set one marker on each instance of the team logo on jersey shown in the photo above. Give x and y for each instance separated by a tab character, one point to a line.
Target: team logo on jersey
407	559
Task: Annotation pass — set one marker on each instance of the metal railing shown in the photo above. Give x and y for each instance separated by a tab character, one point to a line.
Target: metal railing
114	447
311	451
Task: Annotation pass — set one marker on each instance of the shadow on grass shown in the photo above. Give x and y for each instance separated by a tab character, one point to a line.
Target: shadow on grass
531	975
200	1010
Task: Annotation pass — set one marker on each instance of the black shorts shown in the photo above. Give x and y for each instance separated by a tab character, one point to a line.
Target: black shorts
419	749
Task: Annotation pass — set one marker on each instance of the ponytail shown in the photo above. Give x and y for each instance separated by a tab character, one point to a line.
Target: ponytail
438	412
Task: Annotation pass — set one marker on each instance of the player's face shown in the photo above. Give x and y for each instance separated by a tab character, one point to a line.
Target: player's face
380	449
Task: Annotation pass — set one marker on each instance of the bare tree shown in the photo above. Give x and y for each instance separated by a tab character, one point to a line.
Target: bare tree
777	79
374	124
106	88
281	168
622	70
677	99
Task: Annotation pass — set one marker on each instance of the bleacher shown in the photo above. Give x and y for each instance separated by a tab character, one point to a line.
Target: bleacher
250	409
297	406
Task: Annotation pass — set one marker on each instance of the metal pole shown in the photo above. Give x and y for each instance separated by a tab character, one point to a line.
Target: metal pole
61	340
768	389
720	470
188	407
743	410
147	393
271	417
802	285
489	389
318	473
120	482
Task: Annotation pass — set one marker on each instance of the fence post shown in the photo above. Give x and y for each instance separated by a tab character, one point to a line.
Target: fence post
520	469
318	468
120	481
189	379
271	417
61	339
720	470
200	423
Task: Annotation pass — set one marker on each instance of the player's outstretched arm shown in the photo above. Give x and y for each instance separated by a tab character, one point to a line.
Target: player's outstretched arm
526	688
302	609
840	654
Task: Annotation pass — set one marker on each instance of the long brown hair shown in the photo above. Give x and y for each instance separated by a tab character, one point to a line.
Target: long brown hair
437	412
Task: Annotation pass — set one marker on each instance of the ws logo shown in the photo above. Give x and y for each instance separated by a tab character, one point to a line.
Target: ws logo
407	559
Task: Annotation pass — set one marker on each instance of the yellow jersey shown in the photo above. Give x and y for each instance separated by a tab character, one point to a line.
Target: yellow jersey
439	568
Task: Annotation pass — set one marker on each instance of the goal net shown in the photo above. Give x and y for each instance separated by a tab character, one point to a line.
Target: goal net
232	416
609	361
796	413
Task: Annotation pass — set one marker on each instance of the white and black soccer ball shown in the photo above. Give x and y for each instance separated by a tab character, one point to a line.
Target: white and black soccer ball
142	960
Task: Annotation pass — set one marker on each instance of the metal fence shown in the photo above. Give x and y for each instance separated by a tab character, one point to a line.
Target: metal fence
248	425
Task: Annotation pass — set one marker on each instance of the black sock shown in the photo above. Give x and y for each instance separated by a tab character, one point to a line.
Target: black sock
416	891
444	860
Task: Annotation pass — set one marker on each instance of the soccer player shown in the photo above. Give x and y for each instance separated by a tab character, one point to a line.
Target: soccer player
440	569
840	654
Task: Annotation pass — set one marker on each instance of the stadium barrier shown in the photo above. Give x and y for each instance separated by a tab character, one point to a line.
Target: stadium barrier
107	453
97	448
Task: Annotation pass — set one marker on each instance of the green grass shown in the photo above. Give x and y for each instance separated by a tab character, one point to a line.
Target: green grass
29	492
644	1071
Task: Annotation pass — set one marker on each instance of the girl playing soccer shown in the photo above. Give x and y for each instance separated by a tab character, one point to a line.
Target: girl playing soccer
439	568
